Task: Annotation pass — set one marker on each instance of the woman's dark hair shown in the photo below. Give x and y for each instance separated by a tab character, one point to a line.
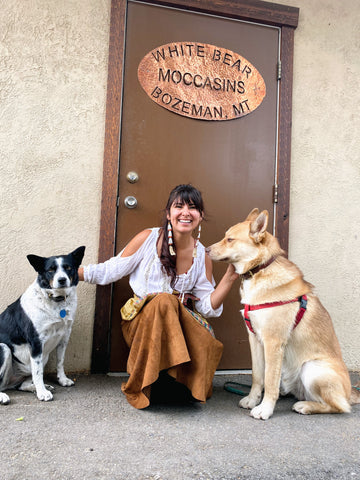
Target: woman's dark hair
183	194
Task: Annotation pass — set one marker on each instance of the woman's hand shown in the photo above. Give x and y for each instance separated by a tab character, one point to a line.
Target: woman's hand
231	273
224	287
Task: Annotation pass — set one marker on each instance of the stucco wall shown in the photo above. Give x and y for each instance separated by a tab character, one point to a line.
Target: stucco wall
325	166
53	73
53	68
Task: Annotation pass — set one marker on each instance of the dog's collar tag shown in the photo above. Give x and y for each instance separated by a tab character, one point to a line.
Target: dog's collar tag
63	313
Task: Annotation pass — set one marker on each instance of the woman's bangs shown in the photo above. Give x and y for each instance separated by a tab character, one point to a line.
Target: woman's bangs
189	198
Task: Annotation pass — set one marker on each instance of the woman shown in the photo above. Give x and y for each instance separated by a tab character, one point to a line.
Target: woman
164	323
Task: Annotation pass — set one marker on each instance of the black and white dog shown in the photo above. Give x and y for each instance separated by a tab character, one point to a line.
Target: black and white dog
37	323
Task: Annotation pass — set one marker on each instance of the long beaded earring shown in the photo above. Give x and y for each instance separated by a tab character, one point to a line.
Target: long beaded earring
170	239
196	242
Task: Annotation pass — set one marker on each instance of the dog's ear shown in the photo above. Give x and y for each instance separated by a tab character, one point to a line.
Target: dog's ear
258	226
38	263
252	215
78	255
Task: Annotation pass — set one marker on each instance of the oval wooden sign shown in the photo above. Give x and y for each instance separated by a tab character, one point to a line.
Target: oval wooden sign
201	81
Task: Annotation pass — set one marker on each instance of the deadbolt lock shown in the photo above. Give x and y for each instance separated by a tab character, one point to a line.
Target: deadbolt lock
130	202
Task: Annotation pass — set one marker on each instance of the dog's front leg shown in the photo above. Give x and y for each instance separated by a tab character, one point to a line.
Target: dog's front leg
37	371
258	367
274	353
5	372
63	380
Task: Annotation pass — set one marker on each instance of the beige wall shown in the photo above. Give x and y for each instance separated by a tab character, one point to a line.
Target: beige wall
53	67
53	73
325	166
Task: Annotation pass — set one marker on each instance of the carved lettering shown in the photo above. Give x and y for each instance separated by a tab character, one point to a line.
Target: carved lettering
241	109
227	58
224	84
196	112
186	107
201	81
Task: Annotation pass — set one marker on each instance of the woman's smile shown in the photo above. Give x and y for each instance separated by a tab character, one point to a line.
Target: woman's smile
183	215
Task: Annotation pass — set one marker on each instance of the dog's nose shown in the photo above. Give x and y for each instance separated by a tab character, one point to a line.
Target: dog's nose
62	281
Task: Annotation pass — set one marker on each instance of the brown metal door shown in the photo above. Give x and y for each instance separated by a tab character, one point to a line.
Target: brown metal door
233	162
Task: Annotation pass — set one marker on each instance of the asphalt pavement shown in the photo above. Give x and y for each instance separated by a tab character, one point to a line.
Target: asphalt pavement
90	432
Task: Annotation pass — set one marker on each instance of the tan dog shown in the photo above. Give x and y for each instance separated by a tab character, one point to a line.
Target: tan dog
306	360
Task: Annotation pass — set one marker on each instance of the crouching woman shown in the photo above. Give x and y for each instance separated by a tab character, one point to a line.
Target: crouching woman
171	343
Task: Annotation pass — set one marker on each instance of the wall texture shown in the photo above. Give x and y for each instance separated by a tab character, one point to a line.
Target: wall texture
325	167
53	71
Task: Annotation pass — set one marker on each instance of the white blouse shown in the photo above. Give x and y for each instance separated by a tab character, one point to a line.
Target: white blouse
147	275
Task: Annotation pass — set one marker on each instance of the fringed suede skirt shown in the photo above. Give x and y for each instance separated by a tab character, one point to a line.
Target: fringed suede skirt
165	336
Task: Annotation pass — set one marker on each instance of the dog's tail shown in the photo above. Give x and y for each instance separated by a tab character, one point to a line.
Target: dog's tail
355	394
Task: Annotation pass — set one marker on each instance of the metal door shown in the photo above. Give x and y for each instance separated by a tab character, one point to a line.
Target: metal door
233	162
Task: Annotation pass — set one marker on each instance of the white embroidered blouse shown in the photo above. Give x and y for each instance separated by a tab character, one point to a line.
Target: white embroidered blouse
147	275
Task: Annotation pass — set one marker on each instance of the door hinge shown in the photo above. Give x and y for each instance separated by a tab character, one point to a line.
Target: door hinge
278	70
275	193
118	202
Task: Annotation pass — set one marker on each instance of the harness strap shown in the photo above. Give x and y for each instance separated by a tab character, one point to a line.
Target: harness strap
299	315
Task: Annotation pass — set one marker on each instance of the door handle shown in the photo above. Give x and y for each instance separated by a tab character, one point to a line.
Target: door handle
132	177
130	202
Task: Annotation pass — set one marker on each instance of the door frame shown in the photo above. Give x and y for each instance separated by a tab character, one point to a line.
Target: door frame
281	16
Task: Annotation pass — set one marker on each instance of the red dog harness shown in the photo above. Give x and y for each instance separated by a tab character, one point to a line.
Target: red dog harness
299	315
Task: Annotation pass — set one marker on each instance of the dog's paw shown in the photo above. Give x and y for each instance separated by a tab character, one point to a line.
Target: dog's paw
44	395
302	407
4	399
249	402
65	381
262	411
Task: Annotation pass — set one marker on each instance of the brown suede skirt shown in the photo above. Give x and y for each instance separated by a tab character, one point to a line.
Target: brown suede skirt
164	336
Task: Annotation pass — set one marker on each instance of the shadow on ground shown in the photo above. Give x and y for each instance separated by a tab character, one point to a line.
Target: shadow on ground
90	432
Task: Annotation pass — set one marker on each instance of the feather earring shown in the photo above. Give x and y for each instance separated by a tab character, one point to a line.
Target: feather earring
196	242
170	239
